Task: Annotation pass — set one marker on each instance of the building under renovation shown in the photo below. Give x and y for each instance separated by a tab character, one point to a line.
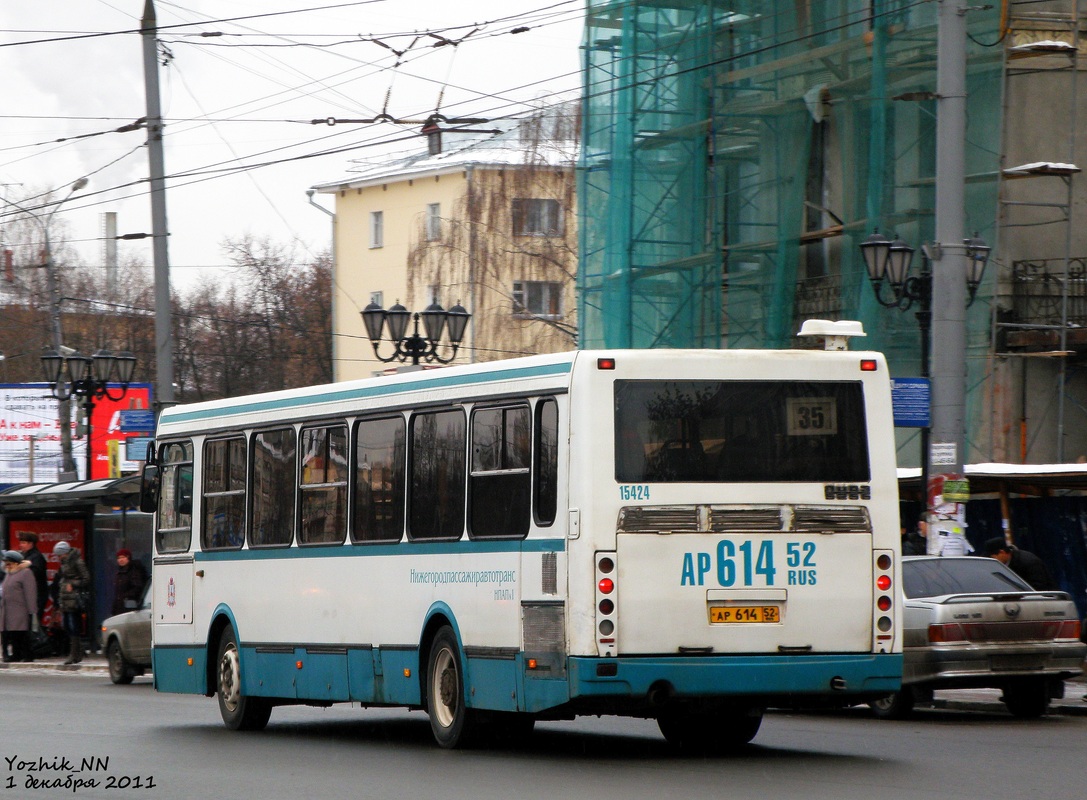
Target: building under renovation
736	154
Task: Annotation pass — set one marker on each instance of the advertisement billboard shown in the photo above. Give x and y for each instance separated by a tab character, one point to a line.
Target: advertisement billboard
30	433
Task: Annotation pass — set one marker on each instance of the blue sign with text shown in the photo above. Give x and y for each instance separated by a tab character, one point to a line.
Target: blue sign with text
911	399
137	420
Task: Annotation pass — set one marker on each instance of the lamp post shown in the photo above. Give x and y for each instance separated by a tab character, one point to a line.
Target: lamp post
87	379
416	347
67	466
891	260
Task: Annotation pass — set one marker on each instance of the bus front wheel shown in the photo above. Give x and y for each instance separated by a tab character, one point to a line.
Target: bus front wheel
451	721
240	713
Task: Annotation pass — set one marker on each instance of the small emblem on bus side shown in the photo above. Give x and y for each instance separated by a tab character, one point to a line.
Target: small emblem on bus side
851	491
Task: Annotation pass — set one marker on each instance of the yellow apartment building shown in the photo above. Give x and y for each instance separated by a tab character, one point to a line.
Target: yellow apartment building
484	217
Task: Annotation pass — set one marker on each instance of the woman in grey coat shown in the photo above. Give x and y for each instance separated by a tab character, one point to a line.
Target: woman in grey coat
17	604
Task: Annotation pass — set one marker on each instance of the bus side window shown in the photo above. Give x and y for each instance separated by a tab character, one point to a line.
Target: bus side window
437	469
379	480
174	529
271	517
499	489
224	494
545	467
323	485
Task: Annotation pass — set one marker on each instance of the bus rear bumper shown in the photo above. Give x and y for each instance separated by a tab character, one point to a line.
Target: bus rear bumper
760	679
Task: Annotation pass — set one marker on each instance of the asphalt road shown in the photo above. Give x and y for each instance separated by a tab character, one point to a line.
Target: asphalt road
136	743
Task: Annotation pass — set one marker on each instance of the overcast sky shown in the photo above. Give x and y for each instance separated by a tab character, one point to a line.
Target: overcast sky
241	150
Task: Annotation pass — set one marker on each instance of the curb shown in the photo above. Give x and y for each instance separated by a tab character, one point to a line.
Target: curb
89	666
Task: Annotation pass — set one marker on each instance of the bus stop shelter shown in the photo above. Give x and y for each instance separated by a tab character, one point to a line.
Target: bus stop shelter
98	517
1037	507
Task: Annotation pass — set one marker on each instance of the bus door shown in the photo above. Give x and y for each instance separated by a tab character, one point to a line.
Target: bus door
173	590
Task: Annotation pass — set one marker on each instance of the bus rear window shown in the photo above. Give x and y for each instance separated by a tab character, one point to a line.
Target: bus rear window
740	431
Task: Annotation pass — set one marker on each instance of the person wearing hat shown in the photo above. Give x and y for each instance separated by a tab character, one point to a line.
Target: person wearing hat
17	607
71	584
1023	563
28	546
128	586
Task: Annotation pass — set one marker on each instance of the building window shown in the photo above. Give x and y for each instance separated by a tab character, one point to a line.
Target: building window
537	218
433	222
377	297
537	299
377	229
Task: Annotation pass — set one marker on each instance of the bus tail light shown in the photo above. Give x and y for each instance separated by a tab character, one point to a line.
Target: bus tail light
606	605
883	606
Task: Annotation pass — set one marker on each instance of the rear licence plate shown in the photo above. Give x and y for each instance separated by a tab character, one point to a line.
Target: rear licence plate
723	614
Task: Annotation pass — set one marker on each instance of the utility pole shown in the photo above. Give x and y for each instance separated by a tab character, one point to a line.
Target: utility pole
948	443
164	343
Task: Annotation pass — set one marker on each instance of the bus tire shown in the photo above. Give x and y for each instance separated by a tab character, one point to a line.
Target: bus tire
451	721
708	733
239	712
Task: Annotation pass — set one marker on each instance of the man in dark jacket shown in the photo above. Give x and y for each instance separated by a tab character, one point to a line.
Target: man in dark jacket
28	546
131	578
1024	564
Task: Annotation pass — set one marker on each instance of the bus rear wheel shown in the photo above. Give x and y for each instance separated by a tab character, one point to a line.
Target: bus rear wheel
451	721
710	732
239	712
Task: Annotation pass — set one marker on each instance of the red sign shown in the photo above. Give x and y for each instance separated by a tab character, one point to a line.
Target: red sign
106	426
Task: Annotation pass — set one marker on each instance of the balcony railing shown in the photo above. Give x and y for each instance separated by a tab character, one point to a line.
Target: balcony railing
1048	295
817	298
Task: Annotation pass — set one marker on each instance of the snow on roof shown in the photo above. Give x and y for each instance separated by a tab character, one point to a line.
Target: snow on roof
1050	45
997	470
1042	168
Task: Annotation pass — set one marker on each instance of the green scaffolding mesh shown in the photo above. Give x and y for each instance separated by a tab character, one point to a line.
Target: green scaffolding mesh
735	154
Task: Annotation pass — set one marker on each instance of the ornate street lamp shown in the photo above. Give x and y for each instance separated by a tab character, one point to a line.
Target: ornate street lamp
891	261
87	379
416	347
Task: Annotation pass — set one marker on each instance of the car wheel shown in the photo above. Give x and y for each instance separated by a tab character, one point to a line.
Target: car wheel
239	712
120	671
1027	700
451	721
898	705
708	733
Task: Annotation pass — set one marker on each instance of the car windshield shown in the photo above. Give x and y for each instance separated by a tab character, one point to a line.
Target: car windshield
933	577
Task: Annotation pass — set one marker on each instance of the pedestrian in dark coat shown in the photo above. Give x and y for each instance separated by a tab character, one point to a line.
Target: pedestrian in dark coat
28	546
17	607
73	583
131	578
1023	563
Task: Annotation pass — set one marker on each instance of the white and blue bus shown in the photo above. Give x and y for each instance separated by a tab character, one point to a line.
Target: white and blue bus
689	536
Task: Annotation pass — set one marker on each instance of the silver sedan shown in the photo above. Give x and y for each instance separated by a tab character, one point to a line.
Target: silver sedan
971	622
127	641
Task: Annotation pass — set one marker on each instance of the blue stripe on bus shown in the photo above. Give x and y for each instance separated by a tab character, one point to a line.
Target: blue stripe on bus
398	549
351	675
378	390
781	675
